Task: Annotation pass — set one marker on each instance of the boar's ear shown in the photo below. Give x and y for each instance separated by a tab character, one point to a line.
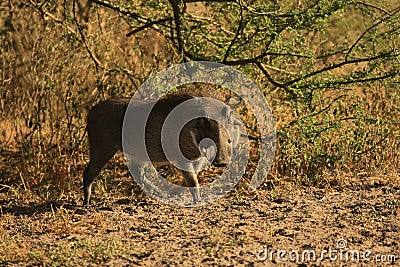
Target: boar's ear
234	101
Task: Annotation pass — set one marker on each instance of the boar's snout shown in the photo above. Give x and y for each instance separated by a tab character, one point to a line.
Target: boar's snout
223	156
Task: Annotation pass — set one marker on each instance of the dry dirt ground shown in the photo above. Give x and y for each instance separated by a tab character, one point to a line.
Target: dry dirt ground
356	224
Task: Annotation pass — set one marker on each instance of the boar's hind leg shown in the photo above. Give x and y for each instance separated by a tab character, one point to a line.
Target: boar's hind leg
96	164
191	181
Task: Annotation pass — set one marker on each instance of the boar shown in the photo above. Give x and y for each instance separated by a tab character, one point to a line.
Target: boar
104	126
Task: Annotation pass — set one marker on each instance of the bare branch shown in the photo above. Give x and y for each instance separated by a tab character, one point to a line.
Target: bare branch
51	16
238	31
261	56
177	19
272	13
338	65
121	11
369	29
130	74
148	25
148	22
371	79
271	80
94	58
279	70
215	1
266	51
332	54
373	6
196	18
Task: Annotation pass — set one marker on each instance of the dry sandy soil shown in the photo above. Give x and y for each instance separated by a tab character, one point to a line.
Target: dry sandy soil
241	229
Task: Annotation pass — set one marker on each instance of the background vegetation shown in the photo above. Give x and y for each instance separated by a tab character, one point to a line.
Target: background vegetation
329	70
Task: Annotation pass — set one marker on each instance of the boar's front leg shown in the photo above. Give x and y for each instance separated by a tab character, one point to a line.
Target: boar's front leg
192	182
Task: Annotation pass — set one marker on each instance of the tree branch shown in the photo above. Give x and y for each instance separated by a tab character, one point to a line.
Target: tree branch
238	31
91	54
371	79
368	29
177	19
121	11
51	16
215	1
148	25
271	80
338	65
373	6
260	56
